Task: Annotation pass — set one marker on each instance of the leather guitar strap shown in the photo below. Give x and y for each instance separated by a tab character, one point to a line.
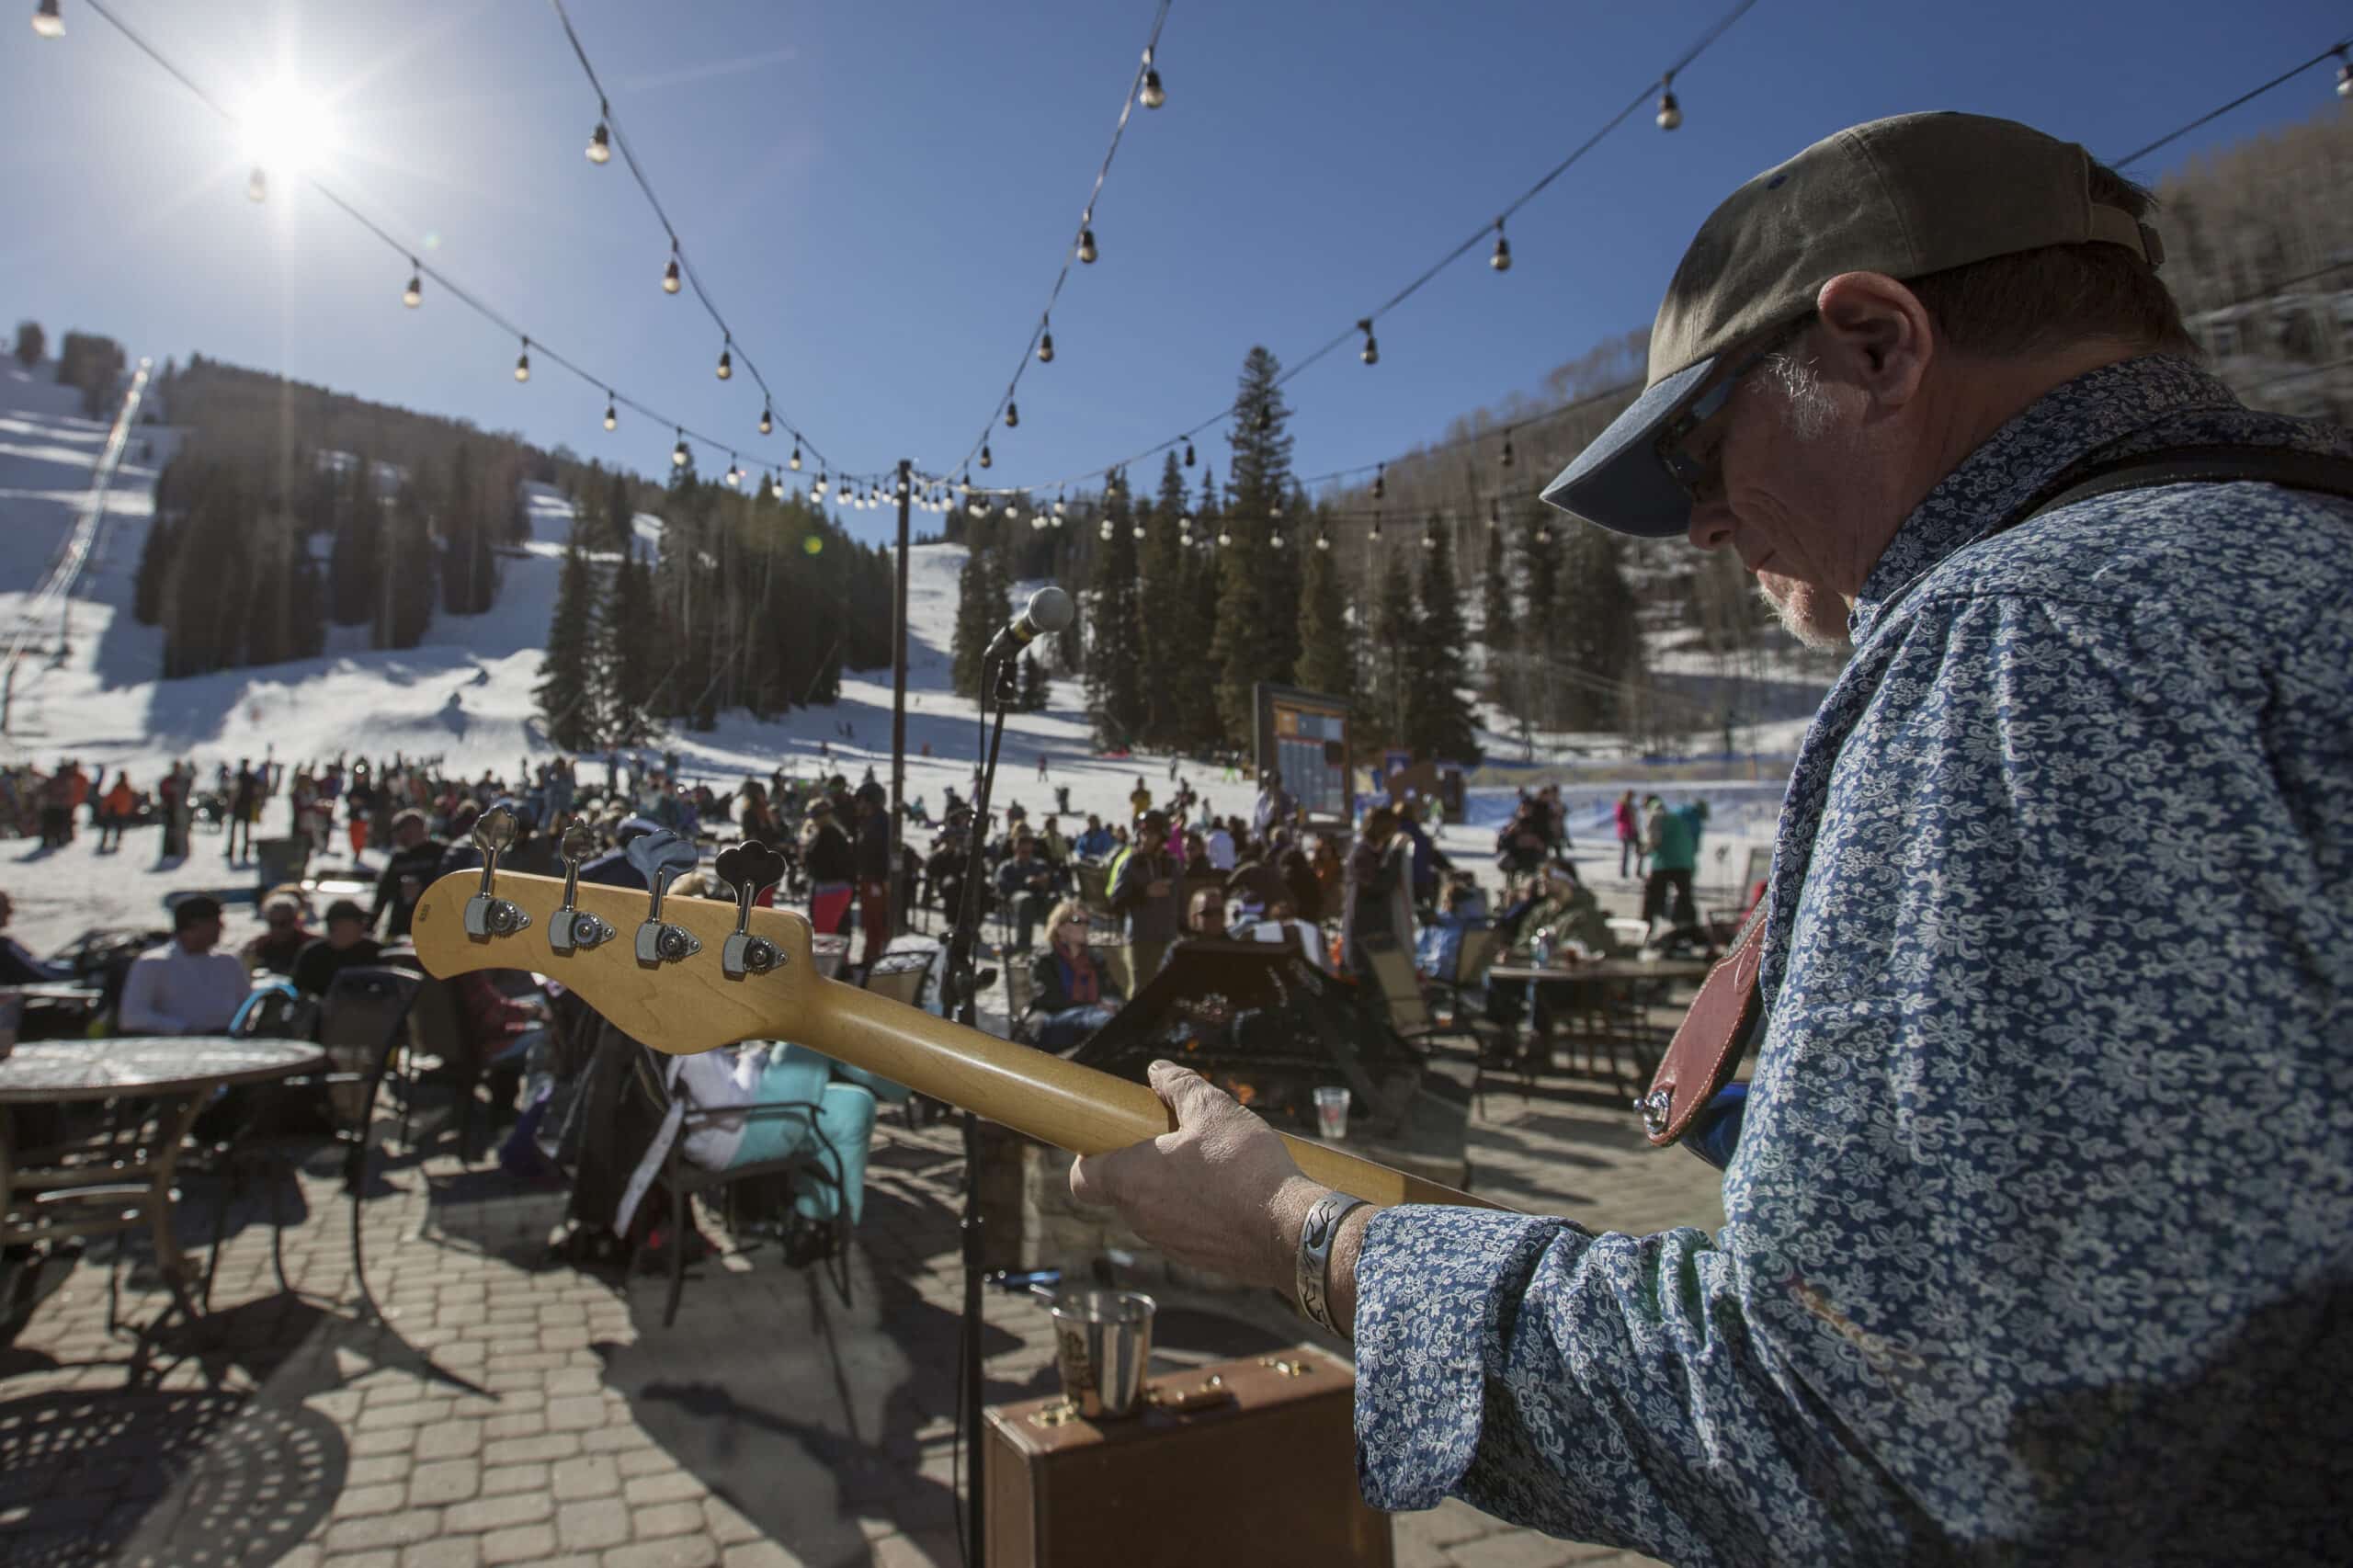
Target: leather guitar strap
1715	1034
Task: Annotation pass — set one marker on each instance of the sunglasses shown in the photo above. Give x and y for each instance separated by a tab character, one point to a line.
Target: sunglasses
1699	476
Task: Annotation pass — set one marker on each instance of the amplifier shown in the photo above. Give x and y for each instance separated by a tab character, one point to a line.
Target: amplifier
1234	1464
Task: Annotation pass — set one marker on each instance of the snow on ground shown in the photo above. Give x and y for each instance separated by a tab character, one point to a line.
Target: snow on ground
465	695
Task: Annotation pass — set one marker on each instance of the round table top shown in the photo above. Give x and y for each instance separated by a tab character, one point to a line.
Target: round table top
51	1069
1607	968
56	991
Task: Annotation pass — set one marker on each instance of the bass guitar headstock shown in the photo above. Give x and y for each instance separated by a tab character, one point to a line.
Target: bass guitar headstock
684	974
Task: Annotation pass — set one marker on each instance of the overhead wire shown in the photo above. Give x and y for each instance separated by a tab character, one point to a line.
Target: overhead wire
620	143
456	290
1350	334
2170	137
1079	238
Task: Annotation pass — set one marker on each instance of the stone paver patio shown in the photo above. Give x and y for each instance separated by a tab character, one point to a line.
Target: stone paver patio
513	1410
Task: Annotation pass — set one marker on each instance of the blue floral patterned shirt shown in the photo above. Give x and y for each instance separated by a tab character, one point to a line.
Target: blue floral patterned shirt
2038	1234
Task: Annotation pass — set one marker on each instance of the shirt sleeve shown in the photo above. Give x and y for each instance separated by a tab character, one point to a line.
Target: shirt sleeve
139	1011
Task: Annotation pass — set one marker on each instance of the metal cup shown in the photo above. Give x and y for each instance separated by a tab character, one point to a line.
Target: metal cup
1102	1340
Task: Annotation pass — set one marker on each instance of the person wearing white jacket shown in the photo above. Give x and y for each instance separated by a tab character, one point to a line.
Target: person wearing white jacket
183	987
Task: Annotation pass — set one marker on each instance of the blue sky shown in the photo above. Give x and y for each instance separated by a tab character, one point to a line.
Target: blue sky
878	194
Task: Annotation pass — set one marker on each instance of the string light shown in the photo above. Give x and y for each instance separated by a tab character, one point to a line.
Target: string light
1224	534
1151	94
523	362
1062	506
767	418
1375	535
1670	113
964	485
1189	454
612	418
1104	532
1380	482
1506	460
2344	74
986	460
679	456
1371	354
1139	529
600	145
819	490
1323	538
726	360
1501	260
413	295
735	471
795	464
1046	347
47	23
257	185
1087	247
1276	539
1012	414
1429	539
671	283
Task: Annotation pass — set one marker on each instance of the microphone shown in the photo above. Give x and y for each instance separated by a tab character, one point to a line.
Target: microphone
1049	610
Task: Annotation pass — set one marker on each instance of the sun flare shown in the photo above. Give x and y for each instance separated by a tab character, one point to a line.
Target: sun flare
286	129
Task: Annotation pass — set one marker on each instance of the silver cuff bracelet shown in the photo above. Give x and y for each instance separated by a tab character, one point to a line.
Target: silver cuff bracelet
1312	1271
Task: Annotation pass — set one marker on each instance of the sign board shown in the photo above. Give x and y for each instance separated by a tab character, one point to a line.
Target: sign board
1304	736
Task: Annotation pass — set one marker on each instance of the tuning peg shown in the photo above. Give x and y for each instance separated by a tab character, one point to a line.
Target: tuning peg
750	868
662	857
570	928
487	916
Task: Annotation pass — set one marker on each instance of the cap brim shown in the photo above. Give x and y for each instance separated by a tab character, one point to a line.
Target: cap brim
1618	481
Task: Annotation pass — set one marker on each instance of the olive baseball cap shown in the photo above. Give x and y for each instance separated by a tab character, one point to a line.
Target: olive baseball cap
1906	196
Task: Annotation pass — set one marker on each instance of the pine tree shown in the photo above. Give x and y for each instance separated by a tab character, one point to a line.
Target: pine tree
1328	655
355	567
1171	642
1497	629
407	587
621	515
1257	631
1115	662
1396	631
567	688
980	608
154	568
627	649
1037	685
1443	725
1594	633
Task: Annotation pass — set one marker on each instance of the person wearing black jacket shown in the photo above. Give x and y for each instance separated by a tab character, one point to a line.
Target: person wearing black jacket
417	856
347	945
826	852
872	864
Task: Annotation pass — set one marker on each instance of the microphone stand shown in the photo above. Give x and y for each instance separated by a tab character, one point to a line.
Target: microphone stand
963	997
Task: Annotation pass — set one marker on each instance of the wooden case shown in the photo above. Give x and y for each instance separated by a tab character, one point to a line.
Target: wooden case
1266	1476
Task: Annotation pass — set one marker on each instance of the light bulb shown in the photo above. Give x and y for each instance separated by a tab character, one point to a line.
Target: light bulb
1506	462
1138	530
1224	534
678	454
2344	68
47	23
819	490
1375	535
1046	349
1152	96
1189	454
1105	531
767	420
600	145
1371	352
1543	533
1494	513
726	364
523	362
413	295
1185	525
1380	482
1061	507
1501	260
1012	413
612	418
978	508
1670	113
1038	523
964	485
1087	247
670	282
773	490
1429	539
1277	539
795	464
733	473
257	185
1323	539
986	460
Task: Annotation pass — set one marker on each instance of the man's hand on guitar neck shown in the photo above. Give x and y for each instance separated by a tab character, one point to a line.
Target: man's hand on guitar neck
1220	1193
